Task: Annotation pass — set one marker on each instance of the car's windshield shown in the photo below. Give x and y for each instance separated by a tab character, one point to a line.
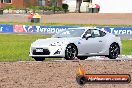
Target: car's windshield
70	33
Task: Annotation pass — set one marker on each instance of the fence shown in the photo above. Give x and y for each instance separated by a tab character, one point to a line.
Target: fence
55	29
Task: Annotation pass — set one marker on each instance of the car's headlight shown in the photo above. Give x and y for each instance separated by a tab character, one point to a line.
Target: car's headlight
56	44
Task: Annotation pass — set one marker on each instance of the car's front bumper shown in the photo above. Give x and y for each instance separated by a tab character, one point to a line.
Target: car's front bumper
51	51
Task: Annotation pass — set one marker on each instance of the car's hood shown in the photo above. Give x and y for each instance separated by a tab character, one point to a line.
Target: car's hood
49	41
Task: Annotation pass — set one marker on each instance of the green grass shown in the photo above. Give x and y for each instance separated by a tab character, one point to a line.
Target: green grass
127	47
15	47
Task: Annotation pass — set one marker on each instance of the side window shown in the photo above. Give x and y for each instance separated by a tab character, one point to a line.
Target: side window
87	32
102	33
95	33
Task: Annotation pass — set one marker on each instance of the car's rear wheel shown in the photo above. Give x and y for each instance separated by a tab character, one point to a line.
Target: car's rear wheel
71	52
39	58
82	57
114	51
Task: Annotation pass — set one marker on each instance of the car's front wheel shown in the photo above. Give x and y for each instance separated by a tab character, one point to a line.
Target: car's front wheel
39	58
71	52
114	51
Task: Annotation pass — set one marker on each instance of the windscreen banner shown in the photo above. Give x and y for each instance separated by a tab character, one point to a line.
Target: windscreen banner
56	29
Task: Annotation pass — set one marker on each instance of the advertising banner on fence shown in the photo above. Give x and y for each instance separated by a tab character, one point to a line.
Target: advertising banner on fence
44	29
56	29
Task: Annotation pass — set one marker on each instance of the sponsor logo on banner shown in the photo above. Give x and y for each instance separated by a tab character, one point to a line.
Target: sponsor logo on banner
1	29
6	28
44	29
118	30
23	28
50	29
18	28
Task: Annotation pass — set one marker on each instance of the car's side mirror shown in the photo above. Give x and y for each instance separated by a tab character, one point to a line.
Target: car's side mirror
86	36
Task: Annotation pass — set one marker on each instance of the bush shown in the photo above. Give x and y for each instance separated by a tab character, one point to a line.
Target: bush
41	7
9	7
45	8
65	7
35	8
48	8
58	9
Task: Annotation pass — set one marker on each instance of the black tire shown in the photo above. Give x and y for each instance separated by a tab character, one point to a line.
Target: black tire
114	51
71	52
39	58
81	80
82	57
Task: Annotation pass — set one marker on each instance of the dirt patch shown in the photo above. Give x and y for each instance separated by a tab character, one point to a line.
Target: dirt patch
58	74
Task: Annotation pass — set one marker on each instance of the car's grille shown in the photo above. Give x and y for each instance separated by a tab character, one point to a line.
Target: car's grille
45	52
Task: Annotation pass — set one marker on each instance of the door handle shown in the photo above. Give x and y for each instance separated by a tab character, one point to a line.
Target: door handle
100	41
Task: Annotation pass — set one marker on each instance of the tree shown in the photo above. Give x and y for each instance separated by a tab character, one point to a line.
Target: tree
78	5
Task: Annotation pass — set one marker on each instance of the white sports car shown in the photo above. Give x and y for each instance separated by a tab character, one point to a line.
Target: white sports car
77	42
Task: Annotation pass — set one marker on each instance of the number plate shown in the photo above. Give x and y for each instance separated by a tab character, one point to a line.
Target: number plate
39	50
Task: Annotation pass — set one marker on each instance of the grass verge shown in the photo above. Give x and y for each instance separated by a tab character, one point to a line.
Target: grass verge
126	47
61	24
15	47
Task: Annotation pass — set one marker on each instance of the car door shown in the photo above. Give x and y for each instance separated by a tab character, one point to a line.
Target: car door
93	44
